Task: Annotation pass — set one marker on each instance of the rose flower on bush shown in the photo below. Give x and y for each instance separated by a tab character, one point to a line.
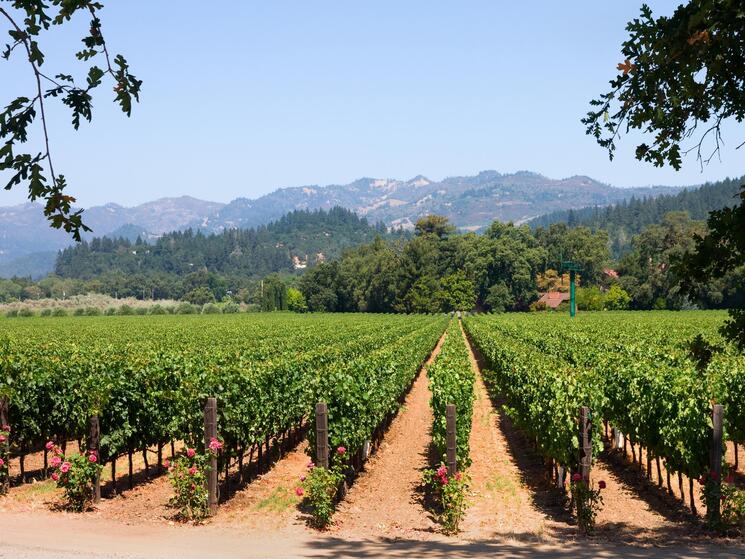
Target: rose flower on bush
188	475
76	475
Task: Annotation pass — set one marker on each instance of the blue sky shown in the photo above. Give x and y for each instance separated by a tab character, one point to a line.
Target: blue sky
243	97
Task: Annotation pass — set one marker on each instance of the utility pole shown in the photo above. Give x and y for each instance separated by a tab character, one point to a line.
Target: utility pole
573	268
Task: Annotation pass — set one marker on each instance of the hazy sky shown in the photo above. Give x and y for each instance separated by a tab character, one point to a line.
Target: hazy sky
243	97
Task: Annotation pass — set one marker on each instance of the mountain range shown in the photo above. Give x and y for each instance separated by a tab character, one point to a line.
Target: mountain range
28	246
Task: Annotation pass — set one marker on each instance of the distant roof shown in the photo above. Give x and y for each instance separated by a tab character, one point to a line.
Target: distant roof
554	298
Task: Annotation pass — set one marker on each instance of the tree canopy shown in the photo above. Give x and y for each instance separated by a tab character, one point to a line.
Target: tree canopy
679	79
26	22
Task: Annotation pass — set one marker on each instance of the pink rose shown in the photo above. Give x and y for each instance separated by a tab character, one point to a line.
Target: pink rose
2	438
458	476
193	470
56	461
302	478
92	458
55	477
601	484
441	471
166	463
576	477
190	452
311	465
341	451
2	462
65	467
215	445
49	445
6	428
193	487
299	491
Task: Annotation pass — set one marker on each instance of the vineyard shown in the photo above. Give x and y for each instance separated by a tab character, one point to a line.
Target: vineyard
638	376
649	381
147	379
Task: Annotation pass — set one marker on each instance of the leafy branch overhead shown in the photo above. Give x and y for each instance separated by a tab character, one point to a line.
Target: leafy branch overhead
26	21
681	77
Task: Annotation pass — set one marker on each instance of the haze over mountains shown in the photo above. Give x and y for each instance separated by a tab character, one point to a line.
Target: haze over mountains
28	245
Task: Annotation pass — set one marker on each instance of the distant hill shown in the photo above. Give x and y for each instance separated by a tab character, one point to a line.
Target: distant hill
630	217
299	239
24	229
471	202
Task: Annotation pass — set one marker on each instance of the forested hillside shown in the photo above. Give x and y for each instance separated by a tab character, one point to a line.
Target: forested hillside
167	267
629	217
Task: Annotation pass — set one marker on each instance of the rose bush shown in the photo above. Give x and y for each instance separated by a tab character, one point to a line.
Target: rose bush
587	502
188	475
76	475
4	456
320	488
450	493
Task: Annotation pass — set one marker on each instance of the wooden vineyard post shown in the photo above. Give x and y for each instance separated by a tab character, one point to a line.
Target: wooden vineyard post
322	435
94	440
210	431
585	444
451	439
713	510
4	446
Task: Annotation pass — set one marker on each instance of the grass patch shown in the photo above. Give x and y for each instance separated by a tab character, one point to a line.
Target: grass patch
502	485
278	501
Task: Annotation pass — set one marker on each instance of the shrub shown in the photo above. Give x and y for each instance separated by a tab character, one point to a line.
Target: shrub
46	312
59	311
587	502
92	311
4	455
188	475
12	313
231	308
450	492
186	308
111	311
76	476
26	312
320	487
157	309
211	308
199	296
80	311
125	310
141	311
617	299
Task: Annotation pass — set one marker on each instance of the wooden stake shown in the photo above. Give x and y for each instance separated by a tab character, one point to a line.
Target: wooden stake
131	472
680	488
5	446
210	431
94	440
322	435
585	444
659	471
113	475
713	510
690	493
451	440
737	458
